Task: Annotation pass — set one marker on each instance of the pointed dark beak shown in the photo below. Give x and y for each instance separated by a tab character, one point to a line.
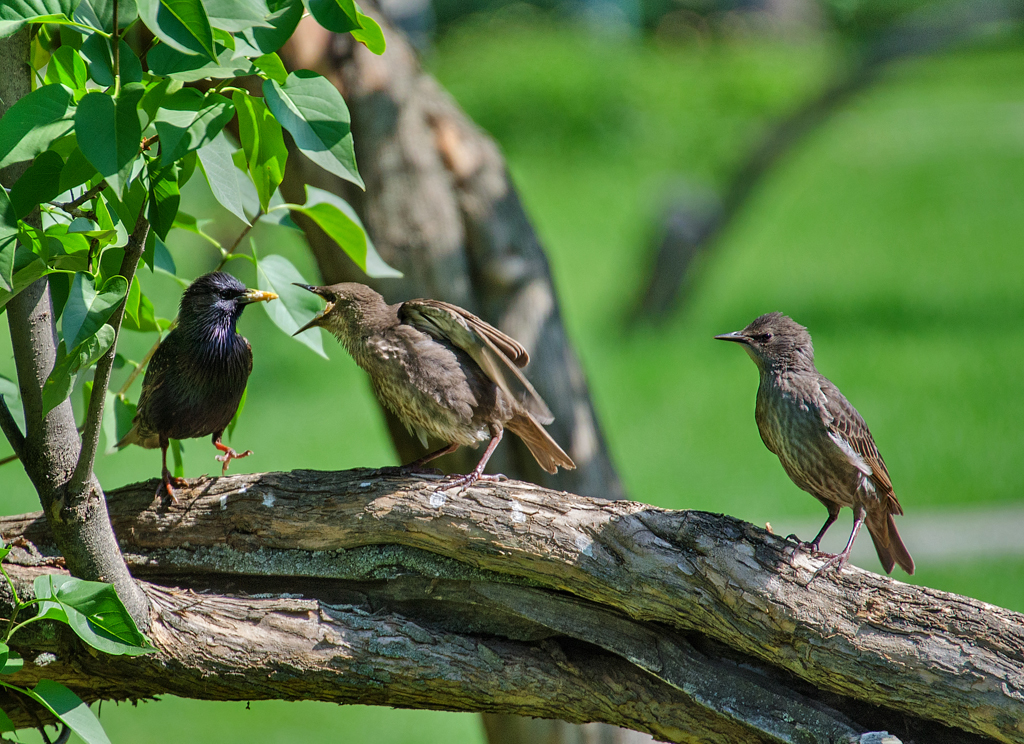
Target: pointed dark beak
256	295
315	321
736	336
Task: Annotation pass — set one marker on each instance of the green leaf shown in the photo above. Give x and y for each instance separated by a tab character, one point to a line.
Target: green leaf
314	113
94	611
157	256
88	309
272	66
15	13
8	241
124	413
131	302
100	13
145	319
292	311
229	185
163	60
263	144
188	120
33	122
67	68
165	199
341	223
281	25
181	24
96	50
27	268
109	132
6	724
370	35
339	16
70	710
12	395
77	170
156	92
59	384
39	183
236	15
12	664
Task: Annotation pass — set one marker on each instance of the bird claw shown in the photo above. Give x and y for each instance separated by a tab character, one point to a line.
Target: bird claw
834	563
168	484
228	456
467	480
810	547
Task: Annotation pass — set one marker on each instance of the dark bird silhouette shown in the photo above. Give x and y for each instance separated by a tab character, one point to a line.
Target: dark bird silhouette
820	439
443	372
196	378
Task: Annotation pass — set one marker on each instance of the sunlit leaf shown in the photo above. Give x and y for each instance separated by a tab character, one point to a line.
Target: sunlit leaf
370	34
263	144
59	384
314	113
15	13
164	60
181	24
176	449
94	611
27	268
67	68
70	710
8	241
89	308
33	122
336	217
230	186
295	306
339	16
236	15
272	66
109	132
281	25
188	120
101	13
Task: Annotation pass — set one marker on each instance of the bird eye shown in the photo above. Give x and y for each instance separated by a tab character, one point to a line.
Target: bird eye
767	337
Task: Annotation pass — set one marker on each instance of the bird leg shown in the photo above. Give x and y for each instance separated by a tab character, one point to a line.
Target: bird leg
840	559
815	544
169	481
477	474
229	454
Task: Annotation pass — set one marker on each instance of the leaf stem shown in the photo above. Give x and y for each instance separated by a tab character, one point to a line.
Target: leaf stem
117	54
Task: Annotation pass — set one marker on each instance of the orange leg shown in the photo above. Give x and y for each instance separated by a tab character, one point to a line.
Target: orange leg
169	481
229	454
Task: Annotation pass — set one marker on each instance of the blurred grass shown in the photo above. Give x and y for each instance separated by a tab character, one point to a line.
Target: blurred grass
894	233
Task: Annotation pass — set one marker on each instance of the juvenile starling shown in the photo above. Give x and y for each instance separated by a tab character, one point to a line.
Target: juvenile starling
196	378
823	443
443	372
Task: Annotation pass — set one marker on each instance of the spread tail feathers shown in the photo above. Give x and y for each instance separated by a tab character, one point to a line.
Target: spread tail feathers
889	545
544	449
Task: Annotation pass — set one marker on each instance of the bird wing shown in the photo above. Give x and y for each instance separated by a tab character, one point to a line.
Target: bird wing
143	431
849	431
497	354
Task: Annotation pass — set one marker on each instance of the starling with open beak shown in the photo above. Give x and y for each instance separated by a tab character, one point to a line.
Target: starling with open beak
823	443
196	378
443	372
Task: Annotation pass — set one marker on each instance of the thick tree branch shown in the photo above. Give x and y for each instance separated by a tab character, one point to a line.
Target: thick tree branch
714	608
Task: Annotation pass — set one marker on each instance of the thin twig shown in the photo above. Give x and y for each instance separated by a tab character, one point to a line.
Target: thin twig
74	204
101	379
9	458
238	240
116	41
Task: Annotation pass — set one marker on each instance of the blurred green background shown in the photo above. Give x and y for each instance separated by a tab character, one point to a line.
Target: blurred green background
893	232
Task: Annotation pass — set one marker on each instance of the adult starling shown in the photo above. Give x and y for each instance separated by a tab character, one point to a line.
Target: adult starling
196	378
443	372
823	443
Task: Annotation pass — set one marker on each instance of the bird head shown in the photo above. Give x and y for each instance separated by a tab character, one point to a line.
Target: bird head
774	340
216	301
347	304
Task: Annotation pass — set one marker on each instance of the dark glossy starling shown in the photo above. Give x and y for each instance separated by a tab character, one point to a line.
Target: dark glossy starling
823	443
443	372
196	378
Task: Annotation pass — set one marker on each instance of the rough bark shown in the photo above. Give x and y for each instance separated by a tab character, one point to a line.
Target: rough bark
51	448
512	598
440	206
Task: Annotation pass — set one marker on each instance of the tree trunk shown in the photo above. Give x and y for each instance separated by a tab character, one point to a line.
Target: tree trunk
510	598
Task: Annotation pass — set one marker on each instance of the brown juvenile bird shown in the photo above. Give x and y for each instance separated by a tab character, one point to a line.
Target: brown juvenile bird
443	372
196	378
823	443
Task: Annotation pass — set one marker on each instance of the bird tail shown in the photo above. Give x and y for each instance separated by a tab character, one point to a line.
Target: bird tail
543	448
889	545
134	436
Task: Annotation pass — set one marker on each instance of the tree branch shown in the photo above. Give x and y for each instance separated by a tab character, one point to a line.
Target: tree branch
11	431
101	378
713	612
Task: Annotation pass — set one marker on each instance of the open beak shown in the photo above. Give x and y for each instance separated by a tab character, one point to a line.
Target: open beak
256	295
736	336
315	321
